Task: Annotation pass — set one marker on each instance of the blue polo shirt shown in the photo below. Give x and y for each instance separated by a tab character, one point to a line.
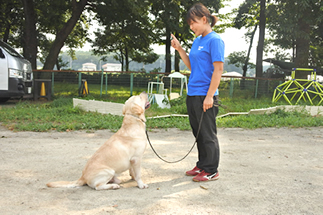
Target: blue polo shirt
204	51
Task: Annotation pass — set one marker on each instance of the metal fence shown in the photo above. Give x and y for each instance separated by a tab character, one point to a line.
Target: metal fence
102	83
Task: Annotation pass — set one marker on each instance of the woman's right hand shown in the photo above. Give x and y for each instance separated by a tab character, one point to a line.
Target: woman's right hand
175	43
177	46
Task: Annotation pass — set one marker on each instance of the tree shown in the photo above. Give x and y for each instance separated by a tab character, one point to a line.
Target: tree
10	21
239	60
250	15
261	40
294	24
170	16
127	30
74	40
245	66
146	57
30	42
316	46
77	7
247	20
58	18
166	14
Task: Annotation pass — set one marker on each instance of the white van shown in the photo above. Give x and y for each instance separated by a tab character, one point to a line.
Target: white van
16	77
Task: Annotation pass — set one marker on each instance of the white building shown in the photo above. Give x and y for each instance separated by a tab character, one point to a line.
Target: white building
88	67
112	67
230	75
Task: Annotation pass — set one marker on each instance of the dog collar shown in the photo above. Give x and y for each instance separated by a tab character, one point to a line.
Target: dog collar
136	117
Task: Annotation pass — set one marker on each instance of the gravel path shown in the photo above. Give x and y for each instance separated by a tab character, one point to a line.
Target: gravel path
262	171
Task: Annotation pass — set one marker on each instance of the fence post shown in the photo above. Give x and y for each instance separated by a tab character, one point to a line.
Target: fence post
101	82
157	84
53	73
106	83
131	83
80	79
231	87
256	90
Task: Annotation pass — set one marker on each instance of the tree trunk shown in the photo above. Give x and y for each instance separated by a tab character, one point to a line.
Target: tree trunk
77	7
302	47
176	62
176	57
245	67
122	62
127	58
30	43
168	56
294	51
260	47
57	65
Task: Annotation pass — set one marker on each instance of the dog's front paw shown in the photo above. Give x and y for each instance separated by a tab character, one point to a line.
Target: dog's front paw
115	186
143	186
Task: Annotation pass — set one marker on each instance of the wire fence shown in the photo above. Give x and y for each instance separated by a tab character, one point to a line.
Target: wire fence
124	84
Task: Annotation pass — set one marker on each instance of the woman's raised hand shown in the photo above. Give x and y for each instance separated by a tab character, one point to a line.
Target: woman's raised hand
175	43
177	46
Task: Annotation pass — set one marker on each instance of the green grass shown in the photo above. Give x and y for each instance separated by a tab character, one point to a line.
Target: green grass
114	93
57	115
60	115
277	119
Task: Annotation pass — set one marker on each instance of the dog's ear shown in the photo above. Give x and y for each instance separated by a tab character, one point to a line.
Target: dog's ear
124	109
136	109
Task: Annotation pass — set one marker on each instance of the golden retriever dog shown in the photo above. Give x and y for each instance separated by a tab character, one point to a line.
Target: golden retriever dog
123	151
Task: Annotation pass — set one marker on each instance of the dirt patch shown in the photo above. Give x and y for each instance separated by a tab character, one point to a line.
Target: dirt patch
262	171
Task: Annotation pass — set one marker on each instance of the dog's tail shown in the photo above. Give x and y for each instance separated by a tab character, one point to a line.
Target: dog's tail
67	184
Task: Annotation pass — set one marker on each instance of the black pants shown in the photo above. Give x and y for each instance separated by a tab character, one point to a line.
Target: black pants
207	141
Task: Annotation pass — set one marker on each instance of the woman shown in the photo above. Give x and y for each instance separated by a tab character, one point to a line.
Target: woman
205	61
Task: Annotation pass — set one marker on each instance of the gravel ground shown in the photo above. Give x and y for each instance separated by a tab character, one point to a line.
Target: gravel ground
262	171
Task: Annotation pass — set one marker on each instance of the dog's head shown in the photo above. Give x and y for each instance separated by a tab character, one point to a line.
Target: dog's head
136	105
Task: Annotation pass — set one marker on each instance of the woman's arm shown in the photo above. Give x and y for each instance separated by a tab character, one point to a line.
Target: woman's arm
177	46
215	82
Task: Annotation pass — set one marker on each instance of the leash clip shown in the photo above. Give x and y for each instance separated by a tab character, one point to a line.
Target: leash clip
217	103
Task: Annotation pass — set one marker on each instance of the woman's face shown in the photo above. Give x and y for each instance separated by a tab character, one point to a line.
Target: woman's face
199	26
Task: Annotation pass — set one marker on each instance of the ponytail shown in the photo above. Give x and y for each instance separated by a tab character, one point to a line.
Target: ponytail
214	20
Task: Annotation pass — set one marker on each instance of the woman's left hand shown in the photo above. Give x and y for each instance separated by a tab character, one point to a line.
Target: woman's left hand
208	103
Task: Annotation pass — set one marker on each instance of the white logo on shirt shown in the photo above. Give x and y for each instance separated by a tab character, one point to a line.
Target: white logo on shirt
200	47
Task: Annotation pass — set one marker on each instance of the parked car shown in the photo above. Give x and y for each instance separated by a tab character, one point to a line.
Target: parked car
16	77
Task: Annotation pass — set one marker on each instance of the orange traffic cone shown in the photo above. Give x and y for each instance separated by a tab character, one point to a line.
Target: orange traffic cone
42	89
